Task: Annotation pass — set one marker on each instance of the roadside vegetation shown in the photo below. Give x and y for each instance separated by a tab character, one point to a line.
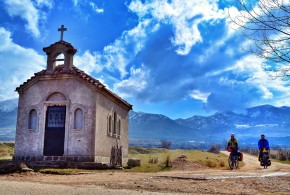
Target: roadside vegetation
160	159
279	155
6	150
163	159
151	160
58	171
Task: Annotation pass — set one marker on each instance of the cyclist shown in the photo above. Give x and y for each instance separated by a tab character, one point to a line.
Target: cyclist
233	144
262	143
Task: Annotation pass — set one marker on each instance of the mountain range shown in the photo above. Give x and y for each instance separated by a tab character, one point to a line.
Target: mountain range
150	129
272	121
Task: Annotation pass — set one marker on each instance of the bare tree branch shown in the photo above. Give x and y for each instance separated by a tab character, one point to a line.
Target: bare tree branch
267	25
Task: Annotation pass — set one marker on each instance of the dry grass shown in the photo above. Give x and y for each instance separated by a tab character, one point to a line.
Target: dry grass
165	158
6	150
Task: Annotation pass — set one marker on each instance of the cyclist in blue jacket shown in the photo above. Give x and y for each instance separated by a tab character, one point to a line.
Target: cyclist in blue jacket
262	143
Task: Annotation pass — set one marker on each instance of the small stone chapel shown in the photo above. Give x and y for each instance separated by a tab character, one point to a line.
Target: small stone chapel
67	115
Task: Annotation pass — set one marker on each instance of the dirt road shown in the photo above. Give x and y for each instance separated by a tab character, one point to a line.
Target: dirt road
250	179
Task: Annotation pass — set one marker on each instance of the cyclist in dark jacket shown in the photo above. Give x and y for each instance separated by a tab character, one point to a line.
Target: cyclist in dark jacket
263	143
233	144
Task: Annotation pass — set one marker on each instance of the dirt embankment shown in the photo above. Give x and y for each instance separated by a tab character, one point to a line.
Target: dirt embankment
250	179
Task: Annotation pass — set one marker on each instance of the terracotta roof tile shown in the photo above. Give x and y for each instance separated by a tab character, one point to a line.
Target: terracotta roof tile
66	44
59	70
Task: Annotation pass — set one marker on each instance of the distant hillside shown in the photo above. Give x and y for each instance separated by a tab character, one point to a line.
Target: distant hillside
156	126
8	115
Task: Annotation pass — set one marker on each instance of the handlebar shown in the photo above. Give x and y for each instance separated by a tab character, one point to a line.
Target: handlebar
265	150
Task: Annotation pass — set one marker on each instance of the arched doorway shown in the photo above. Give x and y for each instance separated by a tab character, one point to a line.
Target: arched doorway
55	126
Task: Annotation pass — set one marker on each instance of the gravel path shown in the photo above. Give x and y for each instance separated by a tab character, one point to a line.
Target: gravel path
250	179
31	188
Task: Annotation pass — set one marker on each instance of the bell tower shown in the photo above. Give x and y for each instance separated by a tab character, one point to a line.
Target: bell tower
58	48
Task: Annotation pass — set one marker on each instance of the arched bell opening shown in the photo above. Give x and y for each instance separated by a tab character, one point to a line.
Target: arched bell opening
60	53
59	60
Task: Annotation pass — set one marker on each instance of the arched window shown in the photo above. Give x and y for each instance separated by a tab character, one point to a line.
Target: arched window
119	127
110	124
115	124
56	96
32	119
78	119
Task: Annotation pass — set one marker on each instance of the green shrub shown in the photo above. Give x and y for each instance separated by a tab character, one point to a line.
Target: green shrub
167	161
215	149
153	160
165	144
6	150
210	164
222	163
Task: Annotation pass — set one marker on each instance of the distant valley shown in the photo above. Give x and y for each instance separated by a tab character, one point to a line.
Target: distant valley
149	130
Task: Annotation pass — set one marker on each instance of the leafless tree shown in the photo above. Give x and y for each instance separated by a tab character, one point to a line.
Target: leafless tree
165	144
267	24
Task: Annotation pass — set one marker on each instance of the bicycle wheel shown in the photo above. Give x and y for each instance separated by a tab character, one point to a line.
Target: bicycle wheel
236	163
265	162
231	164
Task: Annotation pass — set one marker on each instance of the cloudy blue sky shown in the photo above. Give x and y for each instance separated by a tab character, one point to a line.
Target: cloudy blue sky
178	58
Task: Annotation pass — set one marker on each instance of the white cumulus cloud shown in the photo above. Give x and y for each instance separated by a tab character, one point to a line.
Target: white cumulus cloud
118	54
198	95
137	82
17	64
96	8
273	91
185	16
88	62
28	11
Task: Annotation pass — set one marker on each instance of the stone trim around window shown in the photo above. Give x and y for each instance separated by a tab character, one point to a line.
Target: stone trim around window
78	119
32	119
114	126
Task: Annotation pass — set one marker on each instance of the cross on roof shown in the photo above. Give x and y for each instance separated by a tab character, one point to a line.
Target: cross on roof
62	29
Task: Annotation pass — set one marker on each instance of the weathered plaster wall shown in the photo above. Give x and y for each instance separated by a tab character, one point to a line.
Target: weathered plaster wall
104	141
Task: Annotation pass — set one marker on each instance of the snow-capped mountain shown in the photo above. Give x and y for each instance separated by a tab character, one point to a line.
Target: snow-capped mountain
8	105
